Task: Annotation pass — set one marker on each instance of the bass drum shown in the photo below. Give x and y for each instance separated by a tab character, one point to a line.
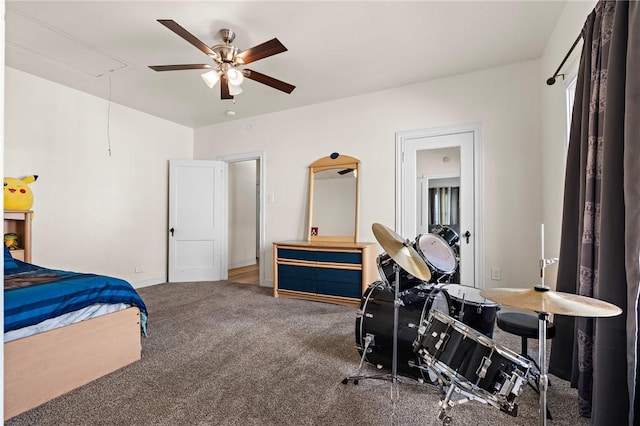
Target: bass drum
375	319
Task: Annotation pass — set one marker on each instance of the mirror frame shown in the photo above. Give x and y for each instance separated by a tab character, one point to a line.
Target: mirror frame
334	161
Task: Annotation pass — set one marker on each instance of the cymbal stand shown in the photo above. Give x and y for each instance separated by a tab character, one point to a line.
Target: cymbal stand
394	358
543	319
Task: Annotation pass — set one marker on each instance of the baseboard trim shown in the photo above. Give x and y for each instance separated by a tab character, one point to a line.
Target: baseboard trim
242	264
149	282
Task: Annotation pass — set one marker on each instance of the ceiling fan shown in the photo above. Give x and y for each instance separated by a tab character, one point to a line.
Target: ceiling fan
228	60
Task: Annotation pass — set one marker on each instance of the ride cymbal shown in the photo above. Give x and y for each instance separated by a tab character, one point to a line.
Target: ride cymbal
401	252
542	299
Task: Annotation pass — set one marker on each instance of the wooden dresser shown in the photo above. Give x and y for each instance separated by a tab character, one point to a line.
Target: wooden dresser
333	272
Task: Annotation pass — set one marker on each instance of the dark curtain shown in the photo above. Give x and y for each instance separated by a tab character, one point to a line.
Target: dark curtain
600	239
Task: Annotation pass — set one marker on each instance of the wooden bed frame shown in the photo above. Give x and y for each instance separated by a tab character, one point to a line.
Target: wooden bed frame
41	367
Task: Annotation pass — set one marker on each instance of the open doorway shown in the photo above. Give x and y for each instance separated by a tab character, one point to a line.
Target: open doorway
244	218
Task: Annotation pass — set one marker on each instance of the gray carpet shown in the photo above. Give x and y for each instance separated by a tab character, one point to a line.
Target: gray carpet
231	354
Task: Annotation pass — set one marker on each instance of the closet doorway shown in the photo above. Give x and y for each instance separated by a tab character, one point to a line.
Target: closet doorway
245	221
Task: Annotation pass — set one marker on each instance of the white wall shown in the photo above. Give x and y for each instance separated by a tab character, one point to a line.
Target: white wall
504	100
554	133
242	213
93	212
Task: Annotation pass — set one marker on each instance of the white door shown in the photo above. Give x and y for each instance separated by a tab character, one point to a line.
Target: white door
409	144
197	206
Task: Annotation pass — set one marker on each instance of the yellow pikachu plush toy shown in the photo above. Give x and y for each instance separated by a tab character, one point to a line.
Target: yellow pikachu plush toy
17	194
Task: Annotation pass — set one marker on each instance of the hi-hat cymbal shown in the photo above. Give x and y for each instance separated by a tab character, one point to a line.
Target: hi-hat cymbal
401	252
541	299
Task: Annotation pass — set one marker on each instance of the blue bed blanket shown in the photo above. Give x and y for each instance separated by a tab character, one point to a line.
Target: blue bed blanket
33	294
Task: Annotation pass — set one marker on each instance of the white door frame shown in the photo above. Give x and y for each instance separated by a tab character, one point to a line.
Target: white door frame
401	140
248	156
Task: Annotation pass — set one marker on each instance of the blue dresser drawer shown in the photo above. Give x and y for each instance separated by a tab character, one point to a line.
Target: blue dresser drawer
335	288
297	254
292	271
299	278
297	284
340	275
340	257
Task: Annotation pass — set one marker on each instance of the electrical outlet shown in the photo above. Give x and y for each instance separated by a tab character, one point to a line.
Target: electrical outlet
496	273
139	269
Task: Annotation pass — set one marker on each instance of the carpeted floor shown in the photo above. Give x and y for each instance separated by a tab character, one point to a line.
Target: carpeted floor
231	354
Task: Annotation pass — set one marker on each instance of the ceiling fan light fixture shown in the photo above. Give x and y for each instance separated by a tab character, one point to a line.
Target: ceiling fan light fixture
228	61
234	90
235	77
211	78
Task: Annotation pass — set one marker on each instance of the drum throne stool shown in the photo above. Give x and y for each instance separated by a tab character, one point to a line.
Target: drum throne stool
526	326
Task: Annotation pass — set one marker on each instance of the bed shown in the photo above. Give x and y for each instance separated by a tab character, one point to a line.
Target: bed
64	329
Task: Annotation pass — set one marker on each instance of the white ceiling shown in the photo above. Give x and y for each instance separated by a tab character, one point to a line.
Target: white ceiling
336	49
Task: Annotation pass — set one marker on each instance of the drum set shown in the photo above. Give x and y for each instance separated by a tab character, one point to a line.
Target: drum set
425	328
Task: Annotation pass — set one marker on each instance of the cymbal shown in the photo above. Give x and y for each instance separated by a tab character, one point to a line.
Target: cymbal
541	299
401	252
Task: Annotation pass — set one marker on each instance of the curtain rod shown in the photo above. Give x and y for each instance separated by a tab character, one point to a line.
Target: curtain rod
552	80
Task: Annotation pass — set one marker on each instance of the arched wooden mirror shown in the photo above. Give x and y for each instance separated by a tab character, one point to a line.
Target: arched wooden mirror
333	199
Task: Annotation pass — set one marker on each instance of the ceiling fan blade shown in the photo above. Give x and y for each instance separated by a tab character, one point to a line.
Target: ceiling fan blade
269	81
176	28
264	50
180	67
224	88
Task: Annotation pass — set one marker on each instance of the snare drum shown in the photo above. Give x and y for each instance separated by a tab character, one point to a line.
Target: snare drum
470	308
375	319
474	361
438	255
386	268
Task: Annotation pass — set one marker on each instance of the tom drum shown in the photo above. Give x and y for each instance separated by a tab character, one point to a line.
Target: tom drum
386	268
470	308
438	254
